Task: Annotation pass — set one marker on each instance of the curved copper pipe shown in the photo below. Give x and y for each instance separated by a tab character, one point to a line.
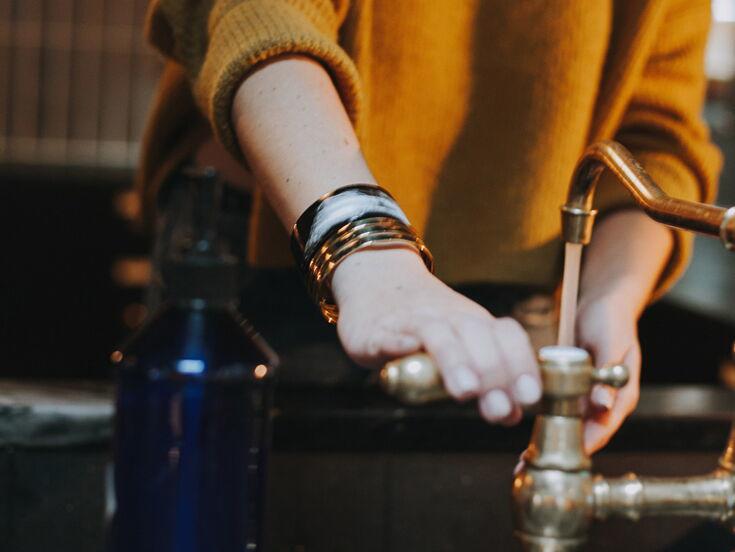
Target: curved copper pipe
679	213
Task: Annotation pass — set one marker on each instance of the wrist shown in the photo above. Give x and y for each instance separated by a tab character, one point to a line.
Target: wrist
624	261
364	268
350	219
622	300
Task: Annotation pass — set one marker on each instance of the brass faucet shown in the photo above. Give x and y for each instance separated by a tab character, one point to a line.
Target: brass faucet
578	215
555	495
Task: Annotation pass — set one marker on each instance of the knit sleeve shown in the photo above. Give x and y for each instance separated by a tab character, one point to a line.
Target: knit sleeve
663	128
219	42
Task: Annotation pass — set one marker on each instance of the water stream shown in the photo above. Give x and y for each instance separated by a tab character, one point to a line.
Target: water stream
569	291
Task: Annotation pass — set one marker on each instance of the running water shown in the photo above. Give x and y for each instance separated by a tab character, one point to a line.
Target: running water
569	290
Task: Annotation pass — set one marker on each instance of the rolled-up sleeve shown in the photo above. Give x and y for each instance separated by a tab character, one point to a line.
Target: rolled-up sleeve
663	124
219	42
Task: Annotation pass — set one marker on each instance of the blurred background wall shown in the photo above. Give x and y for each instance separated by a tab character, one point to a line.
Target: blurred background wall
76	78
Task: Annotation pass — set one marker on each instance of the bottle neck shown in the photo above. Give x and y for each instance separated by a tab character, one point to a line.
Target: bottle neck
211	282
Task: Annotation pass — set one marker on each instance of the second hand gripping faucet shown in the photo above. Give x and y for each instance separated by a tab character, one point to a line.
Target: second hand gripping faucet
556	497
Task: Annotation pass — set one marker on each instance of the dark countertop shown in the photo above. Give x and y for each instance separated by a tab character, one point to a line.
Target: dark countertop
359	418
353	470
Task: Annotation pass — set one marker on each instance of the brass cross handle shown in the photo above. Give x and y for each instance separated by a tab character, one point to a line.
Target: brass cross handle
416	379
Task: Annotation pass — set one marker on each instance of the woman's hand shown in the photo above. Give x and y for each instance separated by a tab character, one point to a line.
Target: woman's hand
607	328
621	267
391	306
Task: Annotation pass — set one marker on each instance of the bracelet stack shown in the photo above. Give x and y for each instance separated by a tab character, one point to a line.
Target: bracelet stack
347	220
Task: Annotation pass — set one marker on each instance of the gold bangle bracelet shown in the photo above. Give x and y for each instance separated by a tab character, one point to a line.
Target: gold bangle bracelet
348	237
352	237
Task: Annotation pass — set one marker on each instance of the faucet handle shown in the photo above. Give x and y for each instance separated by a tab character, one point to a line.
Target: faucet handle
414	379
616	375
568	375
568	371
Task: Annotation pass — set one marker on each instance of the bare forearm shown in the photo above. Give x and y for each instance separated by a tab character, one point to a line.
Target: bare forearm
625	259
296	135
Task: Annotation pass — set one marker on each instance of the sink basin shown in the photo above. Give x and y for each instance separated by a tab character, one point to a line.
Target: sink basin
352	470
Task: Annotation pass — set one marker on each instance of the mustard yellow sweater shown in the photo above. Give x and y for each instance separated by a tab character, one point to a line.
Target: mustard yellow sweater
471	112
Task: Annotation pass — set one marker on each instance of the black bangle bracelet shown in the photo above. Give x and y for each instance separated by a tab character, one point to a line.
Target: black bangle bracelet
342	222
335	209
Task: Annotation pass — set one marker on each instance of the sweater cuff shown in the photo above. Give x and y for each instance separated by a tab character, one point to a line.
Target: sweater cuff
677	181
253	32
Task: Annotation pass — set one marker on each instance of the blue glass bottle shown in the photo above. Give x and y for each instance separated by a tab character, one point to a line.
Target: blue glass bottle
194	392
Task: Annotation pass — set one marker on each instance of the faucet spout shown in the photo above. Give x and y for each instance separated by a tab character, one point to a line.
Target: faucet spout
688	215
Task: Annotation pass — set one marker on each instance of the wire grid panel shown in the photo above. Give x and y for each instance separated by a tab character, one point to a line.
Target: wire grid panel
76	79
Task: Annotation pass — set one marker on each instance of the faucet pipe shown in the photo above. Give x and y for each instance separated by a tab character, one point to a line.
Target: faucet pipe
709	496
578	215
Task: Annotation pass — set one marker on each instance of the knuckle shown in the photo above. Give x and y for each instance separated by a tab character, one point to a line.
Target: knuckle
480	313
472	314
468	328
357	343
443	343
512	329
445	349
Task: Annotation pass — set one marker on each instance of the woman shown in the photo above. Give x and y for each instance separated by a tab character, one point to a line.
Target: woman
472	115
